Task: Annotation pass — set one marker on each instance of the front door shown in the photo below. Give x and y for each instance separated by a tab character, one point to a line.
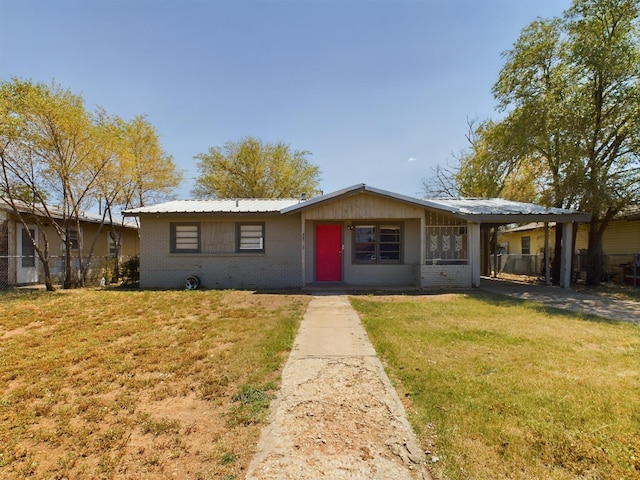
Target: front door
27	267
329	252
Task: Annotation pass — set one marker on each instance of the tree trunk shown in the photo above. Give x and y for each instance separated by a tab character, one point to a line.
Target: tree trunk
47	276
594	255
68	273
44	259
556	264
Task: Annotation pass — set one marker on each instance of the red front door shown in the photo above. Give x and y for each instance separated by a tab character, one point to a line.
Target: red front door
329	252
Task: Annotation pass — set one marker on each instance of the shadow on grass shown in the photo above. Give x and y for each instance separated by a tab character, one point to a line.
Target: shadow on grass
504	300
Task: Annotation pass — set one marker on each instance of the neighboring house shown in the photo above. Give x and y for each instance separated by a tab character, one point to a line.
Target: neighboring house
359	236
19	262
523	245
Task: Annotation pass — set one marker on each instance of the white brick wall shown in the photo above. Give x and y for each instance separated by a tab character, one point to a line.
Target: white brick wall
278	267
444	276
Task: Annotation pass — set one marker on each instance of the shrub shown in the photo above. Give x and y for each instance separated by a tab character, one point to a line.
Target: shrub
131	272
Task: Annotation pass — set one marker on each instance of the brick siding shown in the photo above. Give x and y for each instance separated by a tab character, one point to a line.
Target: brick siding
444	276
278	267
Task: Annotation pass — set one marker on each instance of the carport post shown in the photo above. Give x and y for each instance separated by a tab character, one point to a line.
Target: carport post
566	255
495	251
474	252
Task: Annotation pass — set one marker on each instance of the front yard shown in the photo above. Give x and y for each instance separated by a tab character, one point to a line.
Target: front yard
499	388
176	384
130	384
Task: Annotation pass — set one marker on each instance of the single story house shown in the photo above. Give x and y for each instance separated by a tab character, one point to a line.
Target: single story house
358	236
19	262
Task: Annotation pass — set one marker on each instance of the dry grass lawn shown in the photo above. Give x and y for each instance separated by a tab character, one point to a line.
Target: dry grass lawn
130	384
500	388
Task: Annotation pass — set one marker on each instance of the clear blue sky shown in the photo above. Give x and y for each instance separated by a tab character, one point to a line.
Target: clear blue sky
379	91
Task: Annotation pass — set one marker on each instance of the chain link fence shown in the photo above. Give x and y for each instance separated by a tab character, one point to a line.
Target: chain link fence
20	270
619	268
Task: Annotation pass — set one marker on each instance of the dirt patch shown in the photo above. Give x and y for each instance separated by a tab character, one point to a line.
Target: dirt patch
340	423
23	330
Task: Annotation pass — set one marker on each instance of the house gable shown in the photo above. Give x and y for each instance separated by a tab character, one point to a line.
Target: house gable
363	205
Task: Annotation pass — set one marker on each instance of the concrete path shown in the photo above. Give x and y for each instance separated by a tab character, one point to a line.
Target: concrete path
567	299
337	416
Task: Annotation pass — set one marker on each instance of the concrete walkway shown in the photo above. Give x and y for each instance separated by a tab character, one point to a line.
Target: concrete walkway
337	416
567	299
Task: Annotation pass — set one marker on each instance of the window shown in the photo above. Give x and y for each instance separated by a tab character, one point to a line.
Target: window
114	238
377	243
28	250
446	244
526	245
185	238
74	239
250	237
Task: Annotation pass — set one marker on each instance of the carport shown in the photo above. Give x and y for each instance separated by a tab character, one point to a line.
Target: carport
485	216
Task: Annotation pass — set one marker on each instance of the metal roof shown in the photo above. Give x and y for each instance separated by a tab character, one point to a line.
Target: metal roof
229	205
630	213
526	227
494	206
499	210
58	214
493	210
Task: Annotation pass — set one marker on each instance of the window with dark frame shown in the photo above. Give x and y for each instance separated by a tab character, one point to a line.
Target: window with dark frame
377	243
185	238
250	237
114	240
74	239
526	245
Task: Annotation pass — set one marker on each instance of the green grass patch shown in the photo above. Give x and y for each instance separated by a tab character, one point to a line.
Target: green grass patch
499	388
251	404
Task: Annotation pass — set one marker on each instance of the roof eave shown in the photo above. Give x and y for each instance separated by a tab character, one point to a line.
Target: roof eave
525	217
208	214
